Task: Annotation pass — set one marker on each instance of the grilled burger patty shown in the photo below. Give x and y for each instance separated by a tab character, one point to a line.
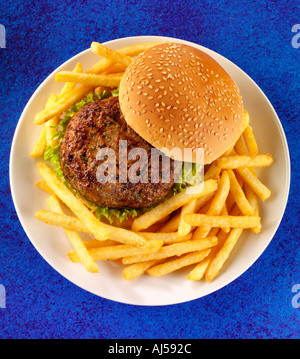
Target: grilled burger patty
101	125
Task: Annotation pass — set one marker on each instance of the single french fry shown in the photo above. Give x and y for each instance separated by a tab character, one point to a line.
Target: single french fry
176	249
160	211
74	239
257	186
136	49
110	54
40	145
135	270
77	207
245	123
114	69
239	196
213	172
51	130
121	250
250	141
252	199
62	220
222	221
43	185
92	80
91	243
167	238
240	147
175	264
198	271
218	261
216	205
183	227
232	162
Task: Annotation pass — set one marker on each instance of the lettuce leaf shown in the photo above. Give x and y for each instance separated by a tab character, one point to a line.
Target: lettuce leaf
51	155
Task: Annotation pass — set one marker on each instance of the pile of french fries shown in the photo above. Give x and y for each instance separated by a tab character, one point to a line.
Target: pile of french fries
197	230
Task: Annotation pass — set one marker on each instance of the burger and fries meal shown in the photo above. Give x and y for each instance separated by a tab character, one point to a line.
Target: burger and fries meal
150	98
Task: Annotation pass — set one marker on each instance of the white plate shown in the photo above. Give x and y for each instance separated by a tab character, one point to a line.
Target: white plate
174	288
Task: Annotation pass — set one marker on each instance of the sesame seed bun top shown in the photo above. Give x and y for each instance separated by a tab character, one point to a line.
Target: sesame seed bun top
176	96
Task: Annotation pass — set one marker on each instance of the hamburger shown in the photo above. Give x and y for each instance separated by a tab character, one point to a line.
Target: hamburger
170	96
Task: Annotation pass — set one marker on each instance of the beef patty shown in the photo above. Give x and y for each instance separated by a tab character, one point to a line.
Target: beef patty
100	125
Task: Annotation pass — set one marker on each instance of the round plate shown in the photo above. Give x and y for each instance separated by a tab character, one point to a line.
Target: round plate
174	288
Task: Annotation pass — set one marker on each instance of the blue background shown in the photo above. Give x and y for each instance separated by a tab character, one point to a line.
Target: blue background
255	35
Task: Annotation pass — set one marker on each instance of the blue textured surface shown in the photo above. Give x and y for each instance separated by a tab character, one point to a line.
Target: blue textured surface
256	35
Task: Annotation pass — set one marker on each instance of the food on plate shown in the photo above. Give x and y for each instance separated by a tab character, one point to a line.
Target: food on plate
97	125
73	236
171	250
174	95
177	263
153	153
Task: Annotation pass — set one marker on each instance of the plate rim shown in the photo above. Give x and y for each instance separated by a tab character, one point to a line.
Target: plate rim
147	38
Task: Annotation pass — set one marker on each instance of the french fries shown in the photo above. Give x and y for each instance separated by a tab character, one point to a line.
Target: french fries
105	64
75	239
218	261
216	205
251	179
183	227
176	249
135	270
41	143
52	123
175	264
92	80
43	185
69	86
120	234
199	270
222	221
198	228
77	207
238	195
170	205
110	54
62	104
119	251
250	141
245	161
